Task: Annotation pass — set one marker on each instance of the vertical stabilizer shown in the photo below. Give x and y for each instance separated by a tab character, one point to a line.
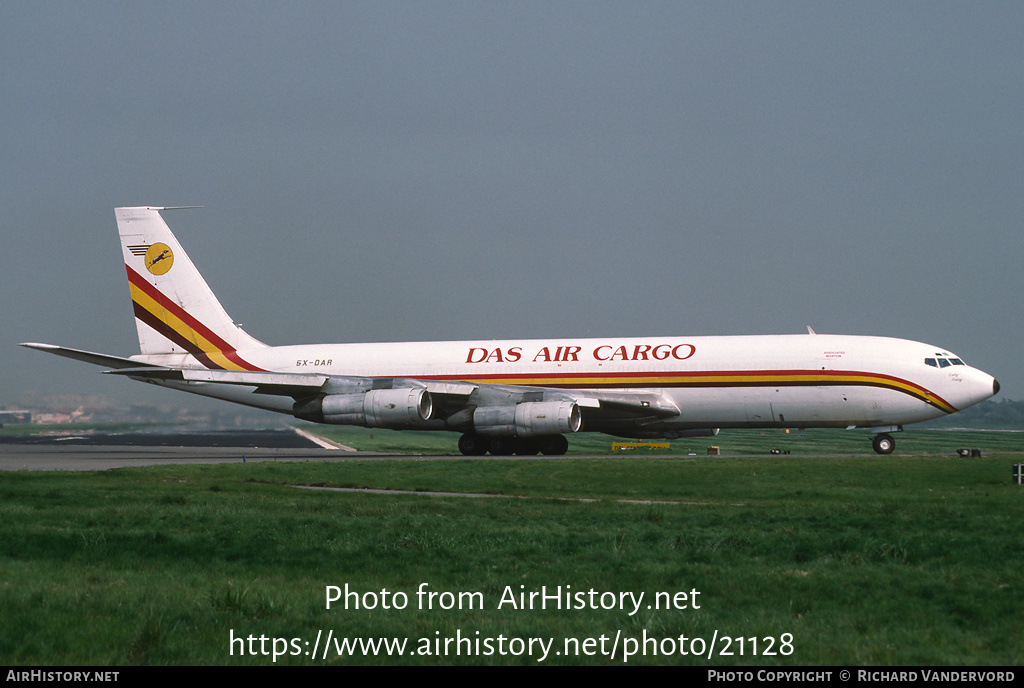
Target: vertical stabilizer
175	310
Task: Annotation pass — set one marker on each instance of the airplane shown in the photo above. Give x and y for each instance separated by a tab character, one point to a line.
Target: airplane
524	396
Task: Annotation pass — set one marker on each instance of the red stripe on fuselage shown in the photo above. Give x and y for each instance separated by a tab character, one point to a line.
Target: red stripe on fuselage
683	379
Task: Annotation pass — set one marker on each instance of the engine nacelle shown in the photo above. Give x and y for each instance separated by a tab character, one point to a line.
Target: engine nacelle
378	408
528	419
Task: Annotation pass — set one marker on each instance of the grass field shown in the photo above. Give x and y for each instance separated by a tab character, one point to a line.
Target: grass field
913	558
729	442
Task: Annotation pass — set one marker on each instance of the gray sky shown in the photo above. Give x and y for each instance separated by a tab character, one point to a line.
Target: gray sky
388	171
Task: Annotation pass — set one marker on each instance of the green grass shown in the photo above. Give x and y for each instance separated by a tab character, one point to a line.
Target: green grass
911	559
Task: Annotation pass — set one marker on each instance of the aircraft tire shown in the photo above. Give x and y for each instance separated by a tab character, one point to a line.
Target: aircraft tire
503	446
883	444
527	446
554	445
473	445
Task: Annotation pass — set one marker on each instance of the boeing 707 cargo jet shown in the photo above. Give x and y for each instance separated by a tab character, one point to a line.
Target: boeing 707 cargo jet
525	396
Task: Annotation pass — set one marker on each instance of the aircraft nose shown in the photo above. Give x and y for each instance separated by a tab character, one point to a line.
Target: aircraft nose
973	386
981	386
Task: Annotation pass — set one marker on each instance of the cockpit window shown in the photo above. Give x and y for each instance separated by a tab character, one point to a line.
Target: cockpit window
940	361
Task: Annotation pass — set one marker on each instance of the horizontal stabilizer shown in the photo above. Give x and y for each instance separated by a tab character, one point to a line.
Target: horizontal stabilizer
115	362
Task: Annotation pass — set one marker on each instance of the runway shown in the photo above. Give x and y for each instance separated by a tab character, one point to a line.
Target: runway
98	451
95	451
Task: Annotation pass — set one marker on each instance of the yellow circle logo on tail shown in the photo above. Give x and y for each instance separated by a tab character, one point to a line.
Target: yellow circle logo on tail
159	258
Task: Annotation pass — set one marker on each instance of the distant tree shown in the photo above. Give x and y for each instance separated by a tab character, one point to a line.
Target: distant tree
1005	414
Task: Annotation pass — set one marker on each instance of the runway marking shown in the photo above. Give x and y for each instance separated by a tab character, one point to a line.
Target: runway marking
321	441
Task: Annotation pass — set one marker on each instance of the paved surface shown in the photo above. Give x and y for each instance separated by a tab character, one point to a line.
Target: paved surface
101	451
97	451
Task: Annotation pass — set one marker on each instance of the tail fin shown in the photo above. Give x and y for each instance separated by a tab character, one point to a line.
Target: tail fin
175	310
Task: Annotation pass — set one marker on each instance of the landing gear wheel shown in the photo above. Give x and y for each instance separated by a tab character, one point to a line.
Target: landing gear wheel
883	444
473	445
527	446
503	446
554	445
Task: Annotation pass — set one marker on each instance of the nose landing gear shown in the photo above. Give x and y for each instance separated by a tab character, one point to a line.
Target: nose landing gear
883	444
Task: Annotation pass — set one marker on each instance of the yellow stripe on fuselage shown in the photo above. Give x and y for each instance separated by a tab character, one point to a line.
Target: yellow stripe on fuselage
759	379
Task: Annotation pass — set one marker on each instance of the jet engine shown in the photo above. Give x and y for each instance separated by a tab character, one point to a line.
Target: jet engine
378	408
528	419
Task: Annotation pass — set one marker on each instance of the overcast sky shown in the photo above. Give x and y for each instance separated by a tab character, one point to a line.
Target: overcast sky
388	171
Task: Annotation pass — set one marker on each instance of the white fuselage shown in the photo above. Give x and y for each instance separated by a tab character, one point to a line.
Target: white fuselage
729	381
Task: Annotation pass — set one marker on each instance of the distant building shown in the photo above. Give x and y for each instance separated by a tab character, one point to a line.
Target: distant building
15	417
56	417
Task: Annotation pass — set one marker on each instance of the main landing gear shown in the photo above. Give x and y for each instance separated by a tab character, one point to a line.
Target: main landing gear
550	445
883	444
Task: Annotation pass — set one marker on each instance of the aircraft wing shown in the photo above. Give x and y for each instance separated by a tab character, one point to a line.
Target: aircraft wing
282	384
450	398
292	384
